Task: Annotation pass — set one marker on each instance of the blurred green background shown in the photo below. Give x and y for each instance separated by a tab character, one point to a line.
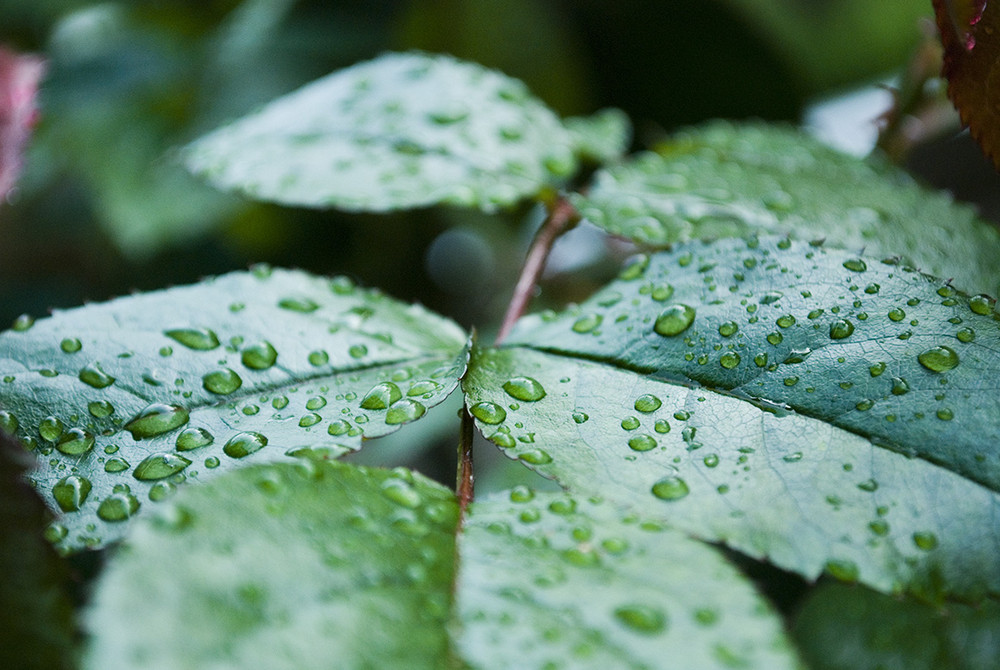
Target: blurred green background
103	208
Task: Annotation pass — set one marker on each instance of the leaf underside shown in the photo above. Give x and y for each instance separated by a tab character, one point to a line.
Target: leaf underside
722	180
401	131
124	401
725	424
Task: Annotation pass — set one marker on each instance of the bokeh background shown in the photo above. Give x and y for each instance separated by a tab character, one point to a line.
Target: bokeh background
104	209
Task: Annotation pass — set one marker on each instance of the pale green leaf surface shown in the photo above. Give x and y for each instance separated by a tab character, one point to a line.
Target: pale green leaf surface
549	581
403	130
845	339
279	355
298	566
722	180
844	628
799	492
601	137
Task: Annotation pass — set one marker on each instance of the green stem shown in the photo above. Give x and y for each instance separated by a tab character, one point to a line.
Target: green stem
562	217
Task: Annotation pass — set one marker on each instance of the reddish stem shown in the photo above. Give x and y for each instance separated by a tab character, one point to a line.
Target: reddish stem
466	477
562	216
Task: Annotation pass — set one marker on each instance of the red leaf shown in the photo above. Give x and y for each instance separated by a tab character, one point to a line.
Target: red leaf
19	78
970	33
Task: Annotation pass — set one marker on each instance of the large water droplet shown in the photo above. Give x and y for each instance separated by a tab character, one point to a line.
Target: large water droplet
642	443
244	444
980	304
157	419
193	438
840	329
404	411
670	488
50	428
75	441
222	381
674	320
259	356
93	375
647	403
118	507
159	466
199	339
527	389
100	409
8	422
729	360
642	618
381	396
71	492
939	359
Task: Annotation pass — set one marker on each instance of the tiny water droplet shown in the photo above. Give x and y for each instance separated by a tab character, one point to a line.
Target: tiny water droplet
118	507
488	412
381	396
635	268
222	381
535	457
159	466
642	442
642	618
775	338
310	419
980	304
423	388
711	460
670	488
303	305
401	493
93	375
71	492
729	360
198	339
259	356
71	345
855	265
899	386
23	323
587	324
338	427
193	438
876	369
925	540
674	320
939	359
100	409
965	335
945	414
157	419
404	411
840	329
526	389
647	403
244	444
357	351
785	321
8	422
661	426
114	465
50	428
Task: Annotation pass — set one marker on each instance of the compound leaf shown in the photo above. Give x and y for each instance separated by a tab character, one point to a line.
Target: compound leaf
403	130
724	180
125	400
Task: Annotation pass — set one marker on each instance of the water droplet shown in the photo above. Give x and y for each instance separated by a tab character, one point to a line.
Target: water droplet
222	381
71	345
404	411
23	323
642	618
381	396
785	321
771	297
401	493
661	426
945	414
670	488
899	386
711	460
157	419
966	335
775	338
876	369
8	422
587	324
114	465
674	320
647	403
160	491
318	358
310	419
642	443
488	412
259	356
159	466
199	339
338	427
635	268
100	409
527	389
630	423
503	440
729	360
303	305
93	375
797	356
842	569
71	492
925	540
357	351
939	359
980	304
244	444
535	457
194	438
521	494
423	388
840	329
728	329
50	428
118	507
75	441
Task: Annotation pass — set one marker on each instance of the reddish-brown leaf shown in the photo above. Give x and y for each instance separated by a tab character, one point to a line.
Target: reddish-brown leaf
970	33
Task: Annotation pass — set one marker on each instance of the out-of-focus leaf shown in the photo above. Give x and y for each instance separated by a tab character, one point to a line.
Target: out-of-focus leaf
126	400
36	616
314	565
602	137
401	131
19	78
850	628
970	33
724	180
547	580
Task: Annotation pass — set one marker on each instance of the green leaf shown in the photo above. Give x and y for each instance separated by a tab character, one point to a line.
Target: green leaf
726	180
401	131
601	137
636	402
307	565
36	617
874	348
844	628
124	401
551	581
